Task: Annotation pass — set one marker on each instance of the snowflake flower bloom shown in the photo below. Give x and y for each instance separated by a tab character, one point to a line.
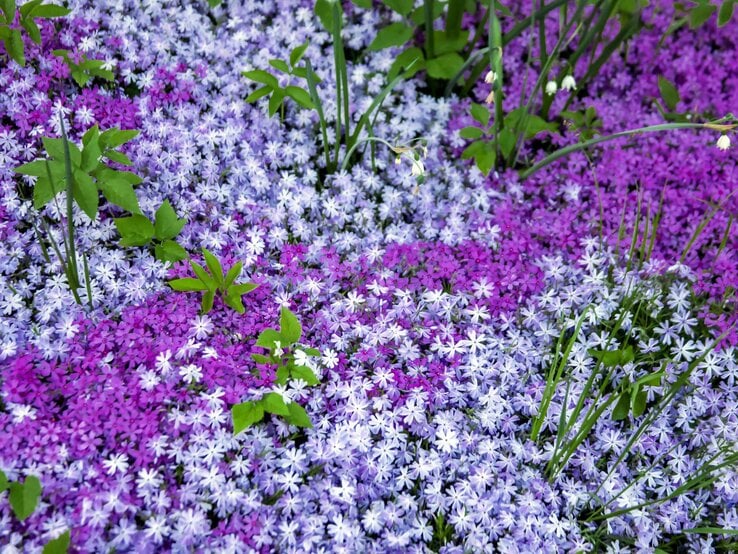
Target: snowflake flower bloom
723	143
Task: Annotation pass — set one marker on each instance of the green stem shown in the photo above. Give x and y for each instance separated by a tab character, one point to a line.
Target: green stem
429	45
358	143
584	145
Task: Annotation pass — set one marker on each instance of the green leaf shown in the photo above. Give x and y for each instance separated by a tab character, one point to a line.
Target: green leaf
403	7
54	147
669	93
241	288
234	302
85	193
114	137
473	149
366	4
43	192
298	416
37	168
170	251
700	14
282	375
726	12
395	34
214	3
275	101
187	284
136	230
3	481
108	174
207	301
203	275
414	56
289	326
24	496
480	114
324	11
216	270
443	44
166	223
472	133
261	76
8	7
445	66
118	157
261	359
280	65
14	46
622	408
59	545
274	404
233	274
245	415
304	373
259	93
297	53
302	97
311	351
638	402
485	159
121	194
506	140
32	29
48	11
268	337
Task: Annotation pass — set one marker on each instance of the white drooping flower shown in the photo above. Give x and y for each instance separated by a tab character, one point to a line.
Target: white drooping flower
568	83
490	98
490	77
723	142
418	168
551	88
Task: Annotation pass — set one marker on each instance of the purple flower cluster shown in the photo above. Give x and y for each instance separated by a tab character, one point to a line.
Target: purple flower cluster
436	308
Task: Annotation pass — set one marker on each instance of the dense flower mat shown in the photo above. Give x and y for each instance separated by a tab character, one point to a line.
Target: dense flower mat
439	309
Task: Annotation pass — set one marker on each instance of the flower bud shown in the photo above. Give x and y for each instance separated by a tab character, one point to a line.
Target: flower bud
551	88
490	77
723	142
568	83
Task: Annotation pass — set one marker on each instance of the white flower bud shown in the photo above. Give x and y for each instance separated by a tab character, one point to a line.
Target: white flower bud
418	168
551	88
490	98
723	142
490	77
568	83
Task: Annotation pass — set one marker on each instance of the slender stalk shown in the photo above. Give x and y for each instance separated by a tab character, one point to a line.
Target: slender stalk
495	62
358	143
648	129
313	90
429	43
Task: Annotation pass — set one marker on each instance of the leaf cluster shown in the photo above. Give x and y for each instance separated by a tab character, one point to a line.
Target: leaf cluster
90	173
585	122
85	69
215	282
281	345
139	230
271	83
30	13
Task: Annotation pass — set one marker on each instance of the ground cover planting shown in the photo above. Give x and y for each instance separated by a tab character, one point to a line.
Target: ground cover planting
368	276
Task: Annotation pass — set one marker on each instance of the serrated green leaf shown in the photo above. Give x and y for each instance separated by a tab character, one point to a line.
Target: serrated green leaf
412	56
8	7
135	230
310	351
485	159
32	29
187	284
507	140
234	302
324	10
472	133
280	65
166	223
245	415
700	14
297	53
170	251
59	545
289	326
261	76
445	66
275	101
274	404
112	138
669	93
395	34
480	114
443	44
304	373
261	359
403	7
298	416
472	150
268	337
282	375
259	93
43	192
24	496
48	11
366	4
4	483
14	47
54	147
85	193
301	96
638	402
118	157
36	168
121	194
